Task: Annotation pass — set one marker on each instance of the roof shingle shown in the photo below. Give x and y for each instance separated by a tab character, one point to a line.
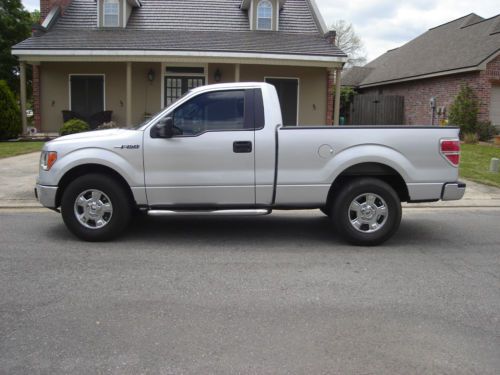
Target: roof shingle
459	44
216	25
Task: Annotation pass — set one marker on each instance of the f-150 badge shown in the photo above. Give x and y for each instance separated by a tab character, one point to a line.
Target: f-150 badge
129	147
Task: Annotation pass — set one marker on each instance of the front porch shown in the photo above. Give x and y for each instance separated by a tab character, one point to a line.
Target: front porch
134	90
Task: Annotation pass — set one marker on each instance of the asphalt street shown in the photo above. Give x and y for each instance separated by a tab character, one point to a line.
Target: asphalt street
264	295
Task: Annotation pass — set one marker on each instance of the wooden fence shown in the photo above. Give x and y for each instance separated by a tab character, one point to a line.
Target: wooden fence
377	110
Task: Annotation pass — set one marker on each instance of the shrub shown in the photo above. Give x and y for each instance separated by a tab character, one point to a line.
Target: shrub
108	125
485	131
471	138
10	115
464	110
74	126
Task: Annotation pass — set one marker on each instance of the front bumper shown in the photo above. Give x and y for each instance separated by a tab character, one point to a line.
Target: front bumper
46	195
453	191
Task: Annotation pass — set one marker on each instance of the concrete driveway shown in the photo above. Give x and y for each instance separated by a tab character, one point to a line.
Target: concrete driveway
18	176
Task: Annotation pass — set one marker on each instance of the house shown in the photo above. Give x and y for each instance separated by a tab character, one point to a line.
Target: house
134	57
430	70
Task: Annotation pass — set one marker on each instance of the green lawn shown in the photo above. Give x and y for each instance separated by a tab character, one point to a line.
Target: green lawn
475	164
8	149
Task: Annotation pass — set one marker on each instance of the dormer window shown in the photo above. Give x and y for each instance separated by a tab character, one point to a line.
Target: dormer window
111	13
264	15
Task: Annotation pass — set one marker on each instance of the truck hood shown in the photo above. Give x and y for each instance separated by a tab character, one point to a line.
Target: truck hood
109	133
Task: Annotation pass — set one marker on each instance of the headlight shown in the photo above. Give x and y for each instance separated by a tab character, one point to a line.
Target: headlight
47	159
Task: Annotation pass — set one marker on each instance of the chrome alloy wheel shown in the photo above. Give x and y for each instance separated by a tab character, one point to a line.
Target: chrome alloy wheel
368	213
93	209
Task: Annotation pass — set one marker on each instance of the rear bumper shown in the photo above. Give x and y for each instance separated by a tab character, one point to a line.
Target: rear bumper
46	195
453	191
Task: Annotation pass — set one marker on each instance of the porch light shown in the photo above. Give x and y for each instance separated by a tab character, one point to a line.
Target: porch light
151	75
217	75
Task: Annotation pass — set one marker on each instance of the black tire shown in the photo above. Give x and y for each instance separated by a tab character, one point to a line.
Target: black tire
371	225
326	211
116	222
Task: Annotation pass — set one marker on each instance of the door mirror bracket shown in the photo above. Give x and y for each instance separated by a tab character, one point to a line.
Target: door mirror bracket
163	129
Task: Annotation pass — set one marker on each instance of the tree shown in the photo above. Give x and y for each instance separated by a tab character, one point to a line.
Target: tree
10	119
35	17
15	26
464	110
349	42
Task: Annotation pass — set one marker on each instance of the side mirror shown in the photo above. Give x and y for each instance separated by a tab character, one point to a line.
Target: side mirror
163	129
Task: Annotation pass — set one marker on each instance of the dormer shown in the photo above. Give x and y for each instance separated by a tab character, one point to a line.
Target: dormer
115	13
263	15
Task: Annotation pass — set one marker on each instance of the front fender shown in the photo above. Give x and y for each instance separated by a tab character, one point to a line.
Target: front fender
128	163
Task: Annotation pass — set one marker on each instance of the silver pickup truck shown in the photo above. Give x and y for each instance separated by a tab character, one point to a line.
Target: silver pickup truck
222	150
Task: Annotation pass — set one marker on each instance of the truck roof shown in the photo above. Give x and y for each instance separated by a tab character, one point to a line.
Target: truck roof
231	85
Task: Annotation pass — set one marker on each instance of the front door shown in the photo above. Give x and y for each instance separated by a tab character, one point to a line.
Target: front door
177	86
287	89
87	94
210	160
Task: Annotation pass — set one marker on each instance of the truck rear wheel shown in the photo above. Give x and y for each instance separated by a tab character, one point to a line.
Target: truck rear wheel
367	211
95	208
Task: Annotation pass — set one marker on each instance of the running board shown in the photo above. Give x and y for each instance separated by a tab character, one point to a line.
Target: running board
258	212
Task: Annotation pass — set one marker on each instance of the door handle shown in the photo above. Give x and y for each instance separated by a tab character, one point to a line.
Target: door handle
241	147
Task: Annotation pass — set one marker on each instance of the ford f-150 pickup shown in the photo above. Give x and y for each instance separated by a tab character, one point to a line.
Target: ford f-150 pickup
221	149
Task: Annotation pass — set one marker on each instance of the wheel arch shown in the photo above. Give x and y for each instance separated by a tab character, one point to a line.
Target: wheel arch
85	169
370	169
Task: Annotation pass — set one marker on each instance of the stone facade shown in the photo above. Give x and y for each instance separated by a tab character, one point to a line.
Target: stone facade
418	93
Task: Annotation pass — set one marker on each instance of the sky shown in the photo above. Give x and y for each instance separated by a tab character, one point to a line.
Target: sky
387	24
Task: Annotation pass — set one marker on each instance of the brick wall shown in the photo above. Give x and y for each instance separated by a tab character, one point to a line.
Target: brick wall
44	8
330	96
418	93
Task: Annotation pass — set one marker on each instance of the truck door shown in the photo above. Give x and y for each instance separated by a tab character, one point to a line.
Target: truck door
210	160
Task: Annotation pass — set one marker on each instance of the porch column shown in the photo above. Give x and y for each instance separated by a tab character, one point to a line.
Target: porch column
22	79
330	87
236	72
336	108
128	98
37	104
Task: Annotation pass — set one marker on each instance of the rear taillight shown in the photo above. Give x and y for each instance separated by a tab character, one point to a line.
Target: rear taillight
450	149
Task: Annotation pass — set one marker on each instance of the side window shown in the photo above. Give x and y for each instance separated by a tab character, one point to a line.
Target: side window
214	111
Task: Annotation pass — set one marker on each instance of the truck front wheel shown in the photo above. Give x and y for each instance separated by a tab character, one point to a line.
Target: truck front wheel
367	211
95	208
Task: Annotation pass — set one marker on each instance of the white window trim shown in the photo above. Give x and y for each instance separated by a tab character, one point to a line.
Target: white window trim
124	7
298	91
251	16
277	18
104	14
87	75
271	18
164	66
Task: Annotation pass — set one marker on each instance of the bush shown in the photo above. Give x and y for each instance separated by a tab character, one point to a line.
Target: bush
471	138
464	110
485	131
108	125
74	126
10	115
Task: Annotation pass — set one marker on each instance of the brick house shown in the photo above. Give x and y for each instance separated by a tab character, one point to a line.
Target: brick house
134	57
435	65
